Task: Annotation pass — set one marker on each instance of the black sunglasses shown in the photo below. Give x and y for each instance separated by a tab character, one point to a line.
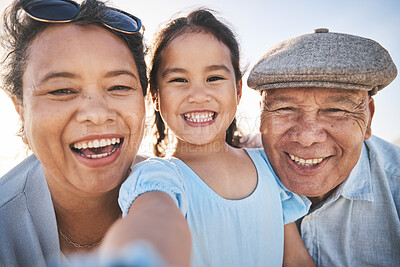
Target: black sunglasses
62	11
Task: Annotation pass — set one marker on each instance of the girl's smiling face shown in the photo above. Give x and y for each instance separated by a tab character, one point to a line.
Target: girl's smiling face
83	107
197	89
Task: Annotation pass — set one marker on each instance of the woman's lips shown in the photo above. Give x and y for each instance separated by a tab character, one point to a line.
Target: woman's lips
97	152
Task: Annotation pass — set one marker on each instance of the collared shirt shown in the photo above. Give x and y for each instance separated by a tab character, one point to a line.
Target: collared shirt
359	224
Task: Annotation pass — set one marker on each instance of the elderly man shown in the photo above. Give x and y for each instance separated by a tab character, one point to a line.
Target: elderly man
316	131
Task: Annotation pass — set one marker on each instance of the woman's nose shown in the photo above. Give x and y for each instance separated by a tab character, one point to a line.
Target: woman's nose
95	110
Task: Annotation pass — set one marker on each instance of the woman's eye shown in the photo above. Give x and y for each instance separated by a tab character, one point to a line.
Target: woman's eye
214	78
178	80
120	88
61	92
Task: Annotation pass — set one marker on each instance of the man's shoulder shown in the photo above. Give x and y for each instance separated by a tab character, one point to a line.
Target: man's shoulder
384	153
14	182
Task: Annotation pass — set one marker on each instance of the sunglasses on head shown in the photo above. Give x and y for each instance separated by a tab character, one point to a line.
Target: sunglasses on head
62	11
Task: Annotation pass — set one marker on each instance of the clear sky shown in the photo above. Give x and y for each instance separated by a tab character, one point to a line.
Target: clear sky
259	25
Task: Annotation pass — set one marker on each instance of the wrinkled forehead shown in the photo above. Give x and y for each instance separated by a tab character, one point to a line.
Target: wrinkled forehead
304	94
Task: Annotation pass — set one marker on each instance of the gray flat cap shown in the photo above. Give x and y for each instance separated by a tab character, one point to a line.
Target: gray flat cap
324	59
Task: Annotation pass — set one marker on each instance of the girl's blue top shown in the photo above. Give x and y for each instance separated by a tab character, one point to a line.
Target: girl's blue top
244	232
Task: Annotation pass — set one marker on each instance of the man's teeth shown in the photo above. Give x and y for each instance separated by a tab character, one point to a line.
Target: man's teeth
305	162
96	143
199	117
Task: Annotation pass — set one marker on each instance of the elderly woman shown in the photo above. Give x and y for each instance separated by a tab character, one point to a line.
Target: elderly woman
77	77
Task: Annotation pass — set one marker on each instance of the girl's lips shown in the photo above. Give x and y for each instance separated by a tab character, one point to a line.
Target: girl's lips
199	118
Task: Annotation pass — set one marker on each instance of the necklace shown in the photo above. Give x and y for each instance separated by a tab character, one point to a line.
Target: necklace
66	238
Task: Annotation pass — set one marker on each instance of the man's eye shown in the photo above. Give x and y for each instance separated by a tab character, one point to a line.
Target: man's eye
61	92
335	110
178	80
214	78
285	109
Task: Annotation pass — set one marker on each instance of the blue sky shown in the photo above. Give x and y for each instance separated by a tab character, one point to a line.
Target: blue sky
259	25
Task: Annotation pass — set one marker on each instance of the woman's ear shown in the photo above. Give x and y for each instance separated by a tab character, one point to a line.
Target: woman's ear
18	107
20	110
239	87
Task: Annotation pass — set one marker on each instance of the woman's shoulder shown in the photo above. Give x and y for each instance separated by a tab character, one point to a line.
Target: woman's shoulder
15	181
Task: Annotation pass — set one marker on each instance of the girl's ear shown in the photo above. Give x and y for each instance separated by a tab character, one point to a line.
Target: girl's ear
239	90
156	104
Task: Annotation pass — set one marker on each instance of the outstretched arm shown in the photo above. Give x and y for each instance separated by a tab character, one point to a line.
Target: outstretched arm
295	252
154	217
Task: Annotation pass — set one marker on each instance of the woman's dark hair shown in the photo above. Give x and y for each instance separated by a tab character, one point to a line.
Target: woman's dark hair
19	30
198	21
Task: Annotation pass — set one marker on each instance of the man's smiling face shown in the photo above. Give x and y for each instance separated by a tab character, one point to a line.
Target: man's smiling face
313	136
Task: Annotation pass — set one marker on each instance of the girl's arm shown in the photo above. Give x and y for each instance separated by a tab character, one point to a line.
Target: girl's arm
295	252
154	217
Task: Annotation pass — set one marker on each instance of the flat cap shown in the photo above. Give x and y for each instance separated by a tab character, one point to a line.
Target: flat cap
324	59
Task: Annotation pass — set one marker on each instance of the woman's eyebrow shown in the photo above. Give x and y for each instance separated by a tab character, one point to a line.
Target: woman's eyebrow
54	75
115	73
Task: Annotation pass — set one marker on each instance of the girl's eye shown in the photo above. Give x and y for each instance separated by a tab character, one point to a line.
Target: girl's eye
61	92
214	78
178	80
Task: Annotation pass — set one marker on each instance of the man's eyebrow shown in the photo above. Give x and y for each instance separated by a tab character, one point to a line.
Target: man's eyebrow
173	70
345	99
279	99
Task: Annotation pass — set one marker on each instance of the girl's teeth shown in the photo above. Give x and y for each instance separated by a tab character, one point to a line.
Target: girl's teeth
199	117
305	162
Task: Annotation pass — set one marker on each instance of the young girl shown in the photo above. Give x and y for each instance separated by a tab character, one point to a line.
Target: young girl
234	205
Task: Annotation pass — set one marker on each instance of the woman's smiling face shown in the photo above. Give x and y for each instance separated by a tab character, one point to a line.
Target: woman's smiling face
83	107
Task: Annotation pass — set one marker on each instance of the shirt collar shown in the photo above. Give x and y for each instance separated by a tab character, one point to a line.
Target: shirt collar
358	185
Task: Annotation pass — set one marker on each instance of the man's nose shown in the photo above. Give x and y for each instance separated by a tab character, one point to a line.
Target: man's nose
308	130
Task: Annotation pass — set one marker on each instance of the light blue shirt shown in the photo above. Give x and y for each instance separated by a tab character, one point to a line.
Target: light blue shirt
359	224
245	232
28	226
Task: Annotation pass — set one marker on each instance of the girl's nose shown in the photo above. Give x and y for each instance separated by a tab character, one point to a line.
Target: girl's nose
198	94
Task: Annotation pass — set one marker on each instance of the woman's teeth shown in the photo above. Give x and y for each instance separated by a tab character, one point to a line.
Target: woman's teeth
305	162
199	116
97	148
96	143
